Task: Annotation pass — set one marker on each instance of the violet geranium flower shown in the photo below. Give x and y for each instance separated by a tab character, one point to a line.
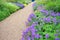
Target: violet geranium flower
54	20
37	36
57	39
46	36
32	15
53	14
58	14
47	19
56	34
44	11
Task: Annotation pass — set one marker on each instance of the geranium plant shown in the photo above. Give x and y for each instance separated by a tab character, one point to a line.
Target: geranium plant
43	25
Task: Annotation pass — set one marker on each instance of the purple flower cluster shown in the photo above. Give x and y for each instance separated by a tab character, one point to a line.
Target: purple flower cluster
48	19
40	25
44	11
30	33
50	16
50	13
58	14
30	17
56	34
54	20
57	38
46	36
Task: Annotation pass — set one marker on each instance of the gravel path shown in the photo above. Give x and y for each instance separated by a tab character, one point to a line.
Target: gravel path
11	28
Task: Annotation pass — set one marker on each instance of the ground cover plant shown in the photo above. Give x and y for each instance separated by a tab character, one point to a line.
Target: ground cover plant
44	24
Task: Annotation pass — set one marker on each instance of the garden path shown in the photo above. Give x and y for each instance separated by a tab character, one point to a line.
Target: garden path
11	28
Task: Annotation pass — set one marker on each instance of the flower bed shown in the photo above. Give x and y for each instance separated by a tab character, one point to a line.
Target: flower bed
43	25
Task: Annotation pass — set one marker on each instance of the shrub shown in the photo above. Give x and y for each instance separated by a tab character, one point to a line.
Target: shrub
20	1
55	6
4	12
7	9
11	7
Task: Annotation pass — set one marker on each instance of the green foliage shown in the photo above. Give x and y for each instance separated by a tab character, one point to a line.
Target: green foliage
4	12
55	6
11	0
11	7
50	4
2	2
20	1
39	2
46	28
6	9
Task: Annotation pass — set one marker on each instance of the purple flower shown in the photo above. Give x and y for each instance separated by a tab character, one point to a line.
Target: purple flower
37	36
28	38
32	16
46	36
57	39
33	25
30	29
33	32
32	38
26	31
20	5
29	19
47	19
54	20
58	14
56	34
33	29
53	14
44	11
22	38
